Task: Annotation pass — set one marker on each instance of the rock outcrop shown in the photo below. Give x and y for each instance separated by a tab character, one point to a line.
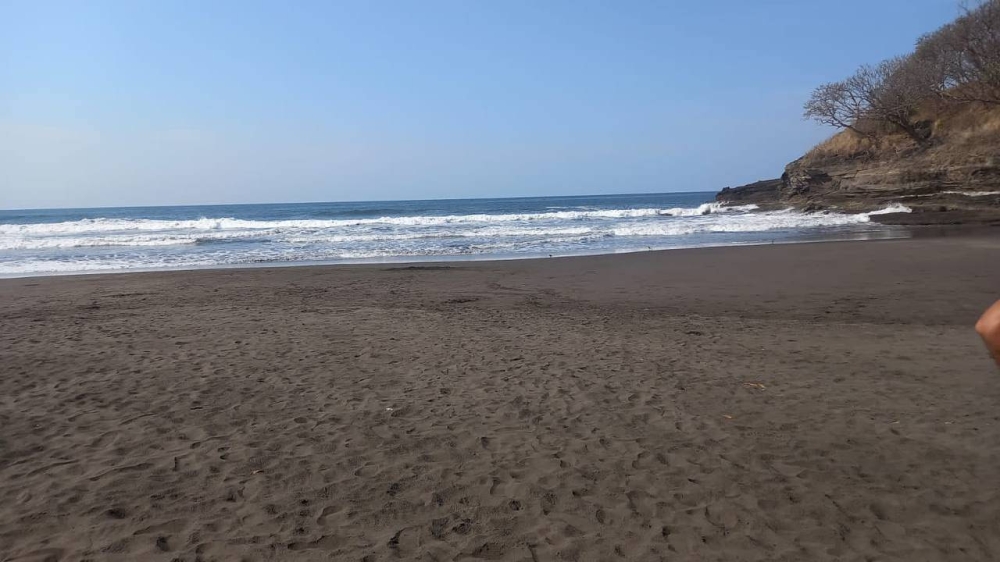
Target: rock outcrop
954	178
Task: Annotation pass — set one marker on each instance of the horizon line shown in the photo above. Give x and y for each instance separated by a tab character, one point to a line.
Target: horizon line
4	210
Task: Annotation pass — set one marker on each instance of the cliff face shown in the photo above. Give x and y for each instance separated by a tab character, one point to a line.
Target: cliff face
953	178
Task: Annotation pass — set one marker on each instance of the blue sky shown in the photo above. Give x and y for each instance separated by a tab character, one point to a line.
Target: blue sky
149	103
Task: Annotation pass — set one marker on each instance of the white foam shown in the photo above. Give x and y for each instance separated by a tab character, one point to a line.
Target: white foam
22	243
893	208
43	266
972	193
289	236
80	240
105	244
707	209
757	222
218	224
105	225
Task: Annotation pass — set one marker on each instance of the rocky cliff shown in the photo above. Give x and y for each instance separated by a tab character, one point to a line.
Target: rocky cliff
953	178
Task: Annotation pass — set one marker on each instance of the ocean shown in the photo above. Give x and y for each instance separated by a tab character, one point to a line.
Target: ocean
62	241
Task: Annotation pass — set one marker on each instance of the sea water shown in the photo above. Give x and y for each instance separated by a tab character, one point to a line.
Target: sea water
42	242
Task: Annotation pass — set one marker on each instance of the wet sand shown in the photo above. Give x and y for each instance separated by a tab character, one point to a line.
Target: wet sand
802	402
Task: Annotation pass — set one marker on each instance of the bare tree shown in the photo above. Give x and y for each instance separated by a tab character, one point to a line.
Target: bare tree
979	29
958	63
837	104
888	92
942	54
894	89
964	56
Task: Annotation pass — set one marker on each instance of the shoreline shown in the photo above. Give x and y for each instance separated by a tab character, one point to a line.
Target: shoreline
911	232
87	243
772	402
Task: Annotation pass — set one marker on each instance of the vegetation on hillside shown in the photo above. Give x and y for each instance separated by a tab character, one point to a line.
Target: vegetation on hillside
946	91
960	132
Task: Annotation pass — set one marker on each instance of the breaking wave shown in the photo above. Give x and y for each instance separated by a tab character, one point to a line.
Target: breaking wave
104	243
87	226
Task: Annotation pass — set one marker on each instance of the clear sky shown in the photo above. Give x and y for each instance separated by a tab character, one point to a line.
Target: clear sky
174	102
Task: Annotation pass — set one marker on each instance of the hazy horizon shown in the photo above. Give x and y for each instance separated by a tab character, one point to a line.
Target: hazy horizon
142	104
359	201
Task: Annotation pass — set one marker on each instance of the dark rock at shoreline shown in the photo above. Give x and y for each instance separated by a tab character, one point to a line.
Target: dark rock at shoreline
963	192
762	193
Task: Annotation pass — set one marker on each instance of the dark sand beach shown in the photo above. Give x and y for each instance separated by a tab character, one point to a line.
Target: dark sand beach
803	402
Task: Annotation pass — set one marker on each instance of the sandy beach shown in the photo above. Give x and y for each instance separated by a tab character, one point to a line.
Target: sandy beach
792	402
